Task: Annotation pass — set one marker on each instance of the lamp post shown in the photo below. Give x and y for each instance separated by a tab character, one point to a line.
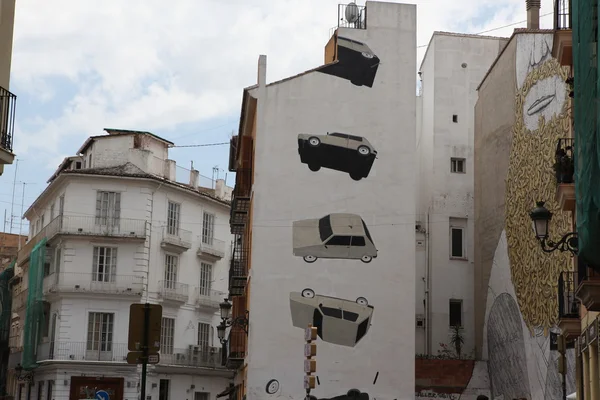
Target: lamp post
541	217
27	377
227	321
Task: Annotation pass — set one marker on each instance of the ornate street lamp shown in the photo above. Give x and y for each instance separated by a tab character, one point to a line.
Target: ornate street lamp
541	217
227	321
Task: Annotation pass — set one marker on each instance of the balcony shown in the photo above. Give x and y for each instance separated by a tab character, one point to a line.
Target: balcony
240	205
82	351
176	239
588	289
193	356
564	169
8	103
93	283
563	41
235	348
208	298
211	248
568	305
238	270
174	291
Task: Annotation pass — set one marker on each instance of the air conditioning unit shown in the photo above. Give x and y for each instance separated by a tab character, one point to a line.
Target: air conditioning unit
180	357
420	321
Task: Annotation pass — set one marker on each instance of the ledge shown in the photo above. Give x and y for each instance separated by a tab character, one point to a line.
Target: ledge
565	196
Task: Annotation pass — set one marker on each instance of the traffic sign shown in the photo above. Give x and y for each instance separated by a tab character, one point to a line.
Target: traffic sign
136	327
137	357
102	395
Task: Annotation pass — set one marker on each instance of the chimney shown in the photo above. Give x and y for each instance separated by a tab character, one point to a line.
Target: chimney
194	176
170	170
533	13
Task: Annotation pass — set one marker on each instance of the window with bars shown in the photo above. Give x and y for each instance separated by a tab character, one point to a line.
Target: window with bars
108	208
201	396
205	279
100	331
204	332
457	165
167	335
105	264
171	262
173	213
208	228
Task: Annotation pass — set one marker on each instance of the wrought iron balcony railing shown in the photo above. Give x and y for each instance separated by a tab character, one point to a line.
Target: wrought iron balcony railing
235	347
193	356
208	298
568	304
177	237
8	103
99	282
243	183
82	351
212	247
352	16
170	290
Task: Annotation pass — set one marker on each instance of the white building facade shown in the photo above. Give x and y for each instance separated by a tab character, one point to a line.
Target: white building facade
450	73
331	229
116	228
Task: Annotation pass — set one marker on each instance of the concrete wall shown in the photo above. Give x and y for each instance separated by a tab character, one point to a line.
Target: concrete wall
514	146
451	71
318	103
7	22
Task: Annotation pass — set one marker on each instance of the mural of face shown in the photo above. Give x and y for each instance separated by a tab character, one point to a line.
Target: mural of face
339	152
337	235
356	62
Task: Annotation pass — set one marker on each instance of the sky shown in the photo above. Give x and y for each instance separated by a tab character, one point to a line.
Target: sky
176	69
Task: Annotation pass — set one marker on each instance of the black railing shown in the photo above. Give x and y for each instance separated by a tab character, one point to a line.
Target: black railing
233	145
568	305
235	346
8	102
562	14
352	16
243	183
564	165
238	267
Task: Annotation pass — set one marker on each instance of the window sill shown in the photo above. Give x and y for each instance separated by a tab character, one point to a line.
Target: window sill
459	258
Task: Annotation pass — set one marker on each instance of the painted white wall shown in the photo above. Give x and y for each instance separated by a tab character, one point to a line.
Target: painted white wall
385	114
145	201
450	89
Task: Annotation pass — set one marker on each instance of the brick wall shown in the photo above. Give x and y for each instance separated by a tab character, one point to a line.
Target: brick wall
443	376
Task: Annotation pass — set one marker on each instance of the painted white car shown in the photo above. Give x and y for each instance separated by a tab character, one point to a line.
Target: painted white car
338	321
338	235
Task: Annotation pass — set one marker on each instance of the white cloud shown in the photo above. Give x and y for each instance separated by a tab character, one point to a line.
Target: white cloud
153	64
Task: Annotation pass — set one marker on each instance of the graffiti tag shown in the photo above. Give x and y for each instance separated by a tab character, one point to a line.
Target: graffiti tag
434	395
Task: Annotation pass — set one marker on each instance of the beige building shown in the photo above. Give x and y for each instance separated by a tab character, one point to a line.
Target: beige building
7	99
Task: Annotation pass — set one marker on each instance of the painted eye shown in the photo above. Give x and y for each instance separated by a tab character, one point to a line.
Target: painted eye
362	301
308	293
272	386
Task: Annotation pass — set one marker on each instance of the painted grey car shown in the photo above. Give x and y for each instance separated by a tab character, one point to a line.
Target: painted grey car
338	235
338	321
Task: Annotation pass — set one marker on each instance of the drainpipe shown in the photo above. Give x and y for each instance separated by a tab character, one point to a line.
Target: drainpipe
150	240
427	289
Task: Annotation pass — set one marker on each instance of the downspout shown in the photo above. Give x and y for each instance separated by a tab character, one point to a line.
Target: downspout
150	240
427	289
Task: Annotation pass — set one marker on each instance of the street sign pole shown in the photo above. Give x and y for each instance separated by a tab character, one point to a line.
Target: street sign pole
145	348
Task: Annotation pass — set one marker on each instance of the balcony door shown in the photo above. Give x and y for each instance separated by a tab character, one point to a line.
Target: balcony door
99	346
108	212
173	214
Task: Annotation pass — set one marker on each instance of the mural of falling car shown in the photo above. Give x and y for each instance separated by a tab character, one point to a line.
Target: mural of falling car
355	61
341	236
337	151
338	321
353	394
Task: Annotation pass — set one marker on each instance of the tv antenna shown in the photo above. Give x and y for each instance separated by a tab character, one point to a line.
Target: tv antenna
352	14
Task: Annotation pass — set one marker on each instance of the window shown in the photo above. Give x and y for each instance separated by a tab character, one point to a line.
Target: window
167	335
90	161
455	313
52	211
325	229
57	261
208	228
339	241
204	331
108	208
458	228
457	165
43	220
358	241
201	396
105	264
455	118
163	389
171	262
49	392
46	323
100	331
205	279
173	213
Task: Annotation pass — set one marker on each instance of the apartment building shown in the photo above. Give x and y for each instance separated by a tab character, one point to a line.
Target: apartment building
452	68
112	228
324	212
7	99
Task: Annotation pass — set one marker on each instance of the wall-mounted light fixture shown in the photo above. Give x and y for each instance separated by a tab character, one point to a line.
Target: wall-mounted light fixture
541	218
227	321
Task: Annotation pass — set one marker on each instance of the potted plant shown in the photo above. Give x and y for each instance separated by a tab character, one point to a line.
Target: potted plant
564	167
456	339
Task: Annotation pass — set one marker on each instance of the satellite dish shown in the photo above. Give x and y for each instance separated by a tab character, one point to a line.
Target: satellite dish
352	14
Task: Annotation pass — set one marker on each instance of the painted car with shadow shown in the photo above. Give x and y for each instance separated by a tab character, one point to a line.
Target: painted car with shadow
338	151
355	62
353	394
338	321
337	235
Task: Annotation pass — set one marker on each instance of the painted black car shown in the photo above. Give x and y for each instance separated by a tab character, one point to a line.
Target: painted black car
355	62
353	394
337	151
